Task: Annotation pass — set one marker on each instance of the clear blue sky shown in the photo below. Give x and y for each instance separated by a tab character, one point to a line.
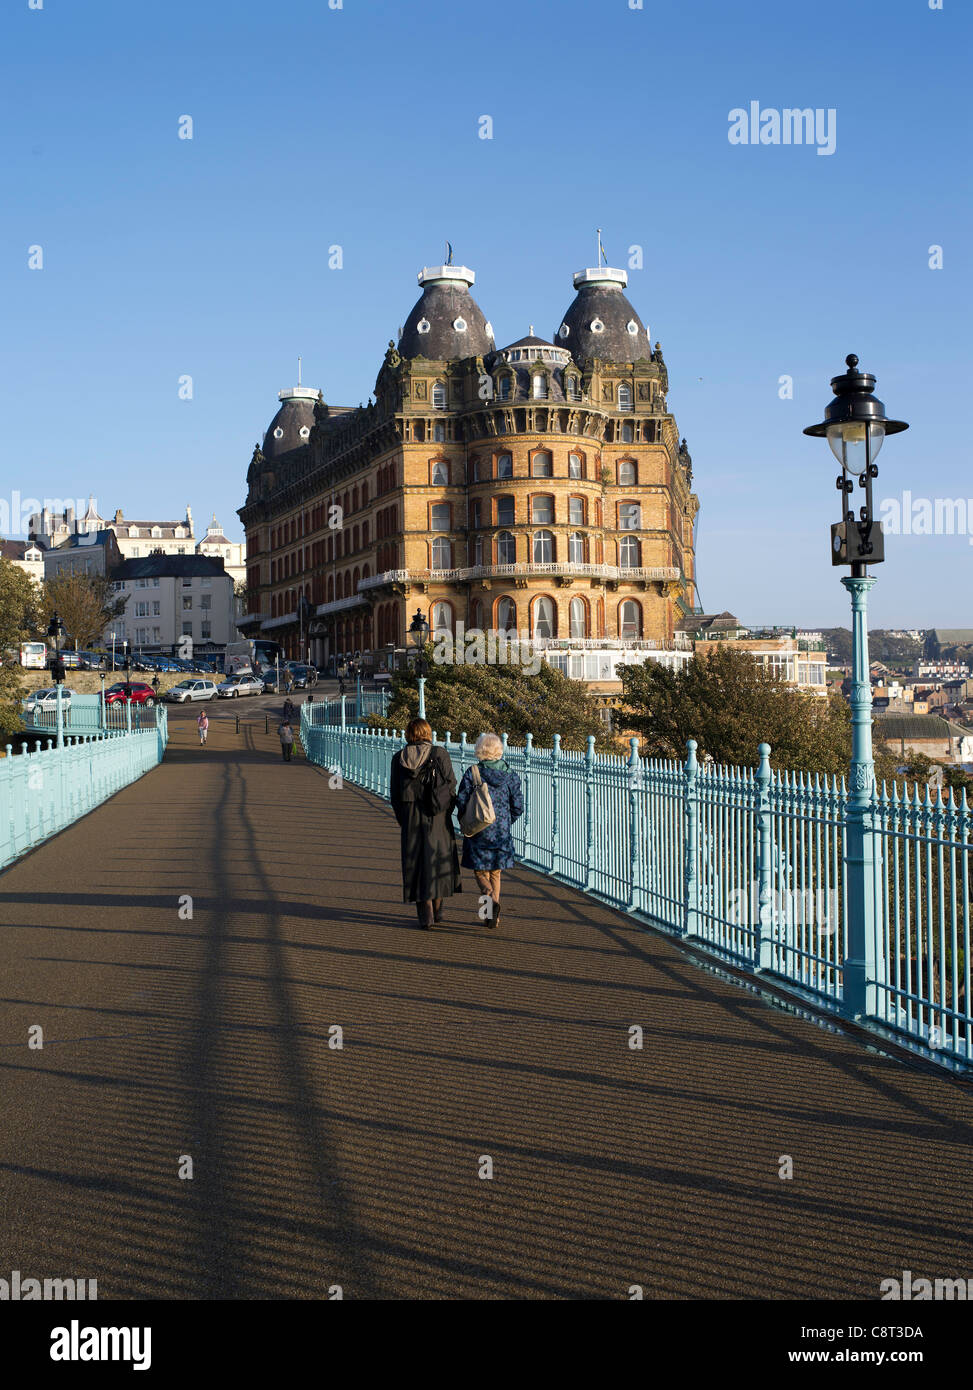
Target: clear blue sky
358	126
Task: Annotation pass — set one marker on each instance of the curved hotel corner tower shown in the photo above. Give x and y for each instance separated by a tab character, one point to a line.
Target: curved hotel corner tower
540	486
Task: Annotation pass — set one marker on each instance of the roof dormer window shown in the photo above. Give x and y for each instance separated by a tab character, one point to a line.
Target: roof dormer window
597	326
459	325
423	326
305	432
278	433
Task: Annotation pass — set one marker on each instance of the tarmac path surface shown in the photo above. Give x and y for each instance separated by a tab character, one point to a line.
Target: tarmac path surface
210	1037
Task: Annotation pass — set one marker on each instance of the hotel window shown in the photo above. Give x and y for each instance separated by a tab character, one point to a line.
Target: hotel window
439	519
625	397
627	476
506	615
440	474
187	602
579	618
575	466
576	548
156	634
573	388
505	511
542	511
543	617
506	388
205	631
505	466
441	554
141	610
629	516
576	511
478	551
441	618
439	396
187	629
439	434
539	386
629	620
156	609
628	435
476	513
543	547
628	553
506	548
206	601
542	466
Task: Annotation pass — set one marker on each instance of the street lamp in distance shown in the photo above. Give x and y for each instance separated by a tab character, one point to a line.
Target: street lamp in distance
419	635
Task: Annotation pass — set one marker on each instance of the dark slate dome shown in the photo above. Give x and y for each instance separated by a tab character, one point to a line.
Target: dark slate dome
291	427
601	322
446	322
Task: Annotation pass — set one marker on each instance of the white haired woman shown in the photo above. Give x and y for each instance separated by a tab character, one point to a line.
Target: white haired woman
492	849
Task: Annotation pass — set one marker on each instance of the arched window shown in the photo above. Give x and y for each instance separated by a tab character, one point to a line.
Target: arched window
579	618
439	396
543	547
628	553
440	473
544	617
506	615
573	387
542	466
542	510
539	386
441	618
506	388
505	511
505	466
575	466
629	619
347	583
629	516
627	475
624	397
506	548
476	614
576	548
441	553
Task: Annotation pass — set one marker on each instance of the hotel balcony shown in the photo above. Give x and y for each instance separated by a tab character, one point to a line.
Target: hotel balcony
555	569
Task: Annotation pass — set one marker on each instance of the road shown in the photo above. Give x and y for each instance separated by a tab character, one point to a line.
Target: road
210	1037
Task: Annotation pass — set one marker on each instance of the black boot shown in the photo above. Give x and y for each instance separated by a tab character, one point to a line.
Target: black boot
425	914
437	909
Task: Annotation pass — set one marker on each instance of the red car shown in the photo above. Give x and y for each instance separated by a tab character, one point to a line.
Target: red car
134	694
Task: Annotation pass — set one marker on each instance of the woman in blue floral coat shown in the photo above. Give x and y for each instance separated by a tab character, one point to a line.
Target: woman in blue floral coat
493	848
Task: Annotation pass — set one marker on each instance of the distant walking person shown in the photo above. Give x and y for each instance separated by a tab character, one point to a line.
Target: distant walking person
492	848
422	792
286	736
287	713
202	724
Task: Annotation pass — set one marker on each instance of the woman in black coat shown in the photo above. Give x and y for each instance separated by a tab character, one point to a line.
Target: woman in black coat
430	861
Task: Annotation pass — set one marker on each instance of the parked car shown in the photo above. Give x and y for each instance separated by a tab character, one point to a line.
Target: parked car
72	660
133	693
240	685
92	661
191	690
45	701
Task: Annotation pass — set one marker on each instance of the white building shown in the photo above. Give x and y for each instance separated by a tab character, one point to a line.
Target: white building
171	597
26	556
232	553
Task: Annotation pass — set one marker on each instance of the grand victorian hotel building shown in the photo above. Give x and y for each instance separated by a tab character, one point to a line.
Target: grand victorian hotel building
539	487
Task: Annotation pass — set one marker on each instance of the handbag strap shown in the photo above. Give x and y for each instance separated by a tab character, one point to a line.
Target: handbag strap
476	775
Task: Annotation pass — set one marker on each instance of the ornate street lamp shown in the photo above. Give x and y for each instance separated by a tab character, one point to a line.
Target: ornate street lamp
419	635
855	426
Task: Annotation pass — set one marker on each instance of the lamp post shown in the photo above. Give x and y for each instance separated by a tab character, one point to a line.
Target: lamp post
419	633
56	631
855	426
104	720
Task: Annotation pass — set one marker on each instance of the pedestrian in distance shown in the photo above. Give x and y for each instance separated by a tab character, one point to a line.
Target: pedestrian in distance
202	724
288	711
156	683
488	845
423	792
286	735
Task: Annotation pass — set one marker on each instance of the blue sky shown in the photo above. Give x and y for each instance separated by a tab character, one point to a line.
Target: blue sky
358	127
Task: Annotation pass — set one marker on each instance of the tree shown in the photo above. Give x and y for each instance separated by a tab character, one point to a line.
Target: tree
730	704
20	618
85	603
473	699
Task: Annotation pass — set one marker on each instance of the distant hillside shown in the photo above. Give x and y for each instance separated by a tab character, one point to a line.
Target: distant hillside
897	652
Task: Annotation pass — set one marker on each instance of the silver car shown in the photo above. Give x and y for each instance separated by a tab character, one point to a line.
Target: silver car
239	685
192	690
46	700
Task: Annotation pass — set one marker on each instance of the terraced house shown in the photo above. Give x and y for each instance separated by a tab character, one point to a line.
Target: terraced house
540	487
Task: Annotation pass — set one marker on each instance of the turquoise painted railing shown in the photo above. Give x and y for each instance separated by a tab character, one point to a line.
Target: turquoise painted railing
329	711
43	791
84	714
748	862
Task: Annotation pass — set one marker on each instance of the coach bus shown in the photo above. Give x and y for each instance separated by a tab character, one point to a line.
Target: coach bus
252	655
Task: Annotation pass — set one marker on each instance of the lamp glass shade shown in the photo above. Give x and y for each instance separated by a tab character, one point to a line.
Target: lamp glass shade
847	441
